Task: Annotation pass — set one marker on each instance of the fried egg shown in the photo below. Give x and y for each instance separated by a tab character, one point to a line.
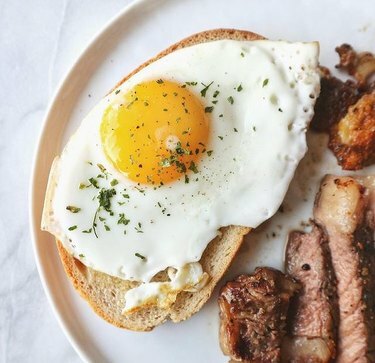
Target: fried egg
205	137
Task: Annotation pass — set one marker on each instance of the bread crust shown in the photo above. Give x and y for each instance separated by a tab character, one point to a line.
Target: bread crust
106	294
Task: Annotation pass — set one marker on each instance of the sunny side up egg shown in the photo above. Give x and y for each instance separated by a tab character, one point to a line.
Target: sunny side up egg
205	137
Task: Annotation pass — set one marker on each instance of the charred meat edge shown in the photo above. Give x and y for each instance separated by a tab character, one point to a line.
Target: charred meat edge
344	209
253	311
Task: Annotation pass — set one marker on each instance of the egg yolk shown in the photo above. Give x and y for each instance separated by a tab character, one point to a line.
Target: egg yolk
156	133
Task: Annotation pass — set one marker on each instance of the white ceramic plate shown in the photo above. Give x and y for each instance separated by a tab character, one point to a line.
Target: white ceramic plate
138	33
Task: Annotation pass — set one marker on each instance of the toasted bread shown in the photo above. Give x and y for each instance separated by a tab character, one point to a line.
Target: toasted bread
106	294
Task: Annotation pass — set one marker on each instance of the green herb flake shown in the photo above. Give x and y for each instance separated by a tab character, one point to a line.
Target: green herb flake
82	186
265	82
104	197
209	152
235	130
209	109
242	54
239	88
107	228
221	137
138	228
114	182
72	228
186	179
159	81
87	231
205	89
123	220
73	209
254	128
193	167
102	168
126	196
230	100
216	93
140	256
117	91
94	183
191	83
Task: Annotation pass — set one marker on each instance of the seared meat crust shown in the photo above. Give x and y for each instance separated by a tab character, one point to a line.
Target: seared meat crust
253	310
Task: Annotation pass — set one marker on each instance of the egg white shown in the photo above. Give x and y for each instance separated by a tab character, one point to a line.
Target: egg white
256	147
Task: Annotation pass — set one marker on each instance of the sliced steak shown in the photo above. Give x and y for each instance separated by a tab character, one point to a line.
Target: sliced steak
313	313
253	310
343	208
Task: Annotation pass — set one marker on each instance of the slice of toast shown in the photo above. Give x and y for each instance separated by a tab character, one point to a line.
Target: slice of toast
106	294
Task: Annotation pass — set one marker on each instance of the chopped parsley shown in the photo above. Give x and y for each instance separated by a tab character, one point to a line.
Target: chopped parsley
239	88
117	92
140	256
94	183
73	209
114	182
104	197
102	168
81	255
205	89
191	83
72	228
221	137
123	220
235	130
209	152
230	100
138	228
193	167
87	231
159	81
209	109
216	93
265	82
186	179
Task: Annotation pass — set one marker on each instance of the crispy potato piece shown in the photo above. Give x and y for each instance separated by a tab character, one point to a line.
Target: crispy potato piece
352	139
332	105
359	65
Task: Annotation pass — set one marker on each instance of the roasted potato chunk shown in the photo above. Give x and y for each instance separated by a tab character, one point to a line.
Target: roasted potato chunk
352	139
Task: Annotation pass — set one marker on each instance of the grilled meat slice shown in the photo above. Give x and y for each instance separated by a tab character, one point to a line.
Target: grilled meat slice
313	313
253	312
344	209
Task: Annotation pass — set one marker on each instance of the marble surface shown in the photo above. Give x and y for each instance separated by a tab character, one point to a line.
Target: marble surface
39	41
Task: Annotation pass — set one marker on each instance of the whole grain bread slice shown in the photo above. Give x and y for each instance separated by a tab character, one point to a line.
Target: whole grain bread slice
106	294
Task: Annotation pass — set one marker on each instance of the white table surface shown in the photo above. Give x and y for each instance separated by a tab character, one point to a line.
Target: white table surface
39	41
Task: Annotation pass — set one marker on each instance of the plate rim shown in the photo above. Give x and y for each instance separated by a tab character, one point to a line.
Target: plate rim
34	218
